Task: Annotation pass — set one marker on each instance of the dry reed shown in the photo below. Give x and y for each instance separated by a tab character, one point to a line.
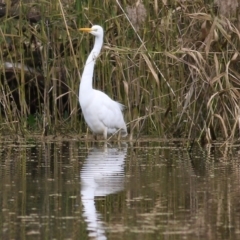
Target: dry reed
174	66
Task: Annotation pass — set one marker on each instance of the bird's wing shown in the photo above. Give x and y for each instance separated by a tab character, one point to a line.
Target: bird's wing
110	112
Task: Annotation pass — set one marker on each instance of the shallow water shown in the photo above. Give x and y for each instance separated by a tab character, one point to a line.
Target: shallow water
154	190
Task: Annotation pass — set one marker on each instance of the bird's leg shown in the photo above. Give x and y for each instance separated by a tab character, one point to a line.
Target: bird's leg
105	133
105	147
119	136
87	134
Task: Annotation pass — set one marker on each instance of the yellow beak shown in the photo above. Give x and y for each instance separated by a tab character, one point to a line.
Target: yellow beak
85	29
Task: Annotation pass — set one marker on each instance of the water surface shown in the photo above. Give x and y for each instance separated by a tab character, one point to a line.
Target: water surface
152	190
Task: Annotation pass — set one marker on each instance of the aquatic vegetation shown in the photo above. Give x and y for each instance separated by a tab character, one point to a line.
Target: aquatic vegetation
174	66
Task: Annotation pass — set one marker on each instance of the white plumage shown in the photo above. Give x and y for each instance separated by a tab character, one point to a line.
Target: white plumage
102	114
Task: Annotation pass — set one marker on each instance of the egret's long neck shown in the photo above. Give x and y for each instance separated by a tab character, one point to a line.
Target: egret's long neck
87	75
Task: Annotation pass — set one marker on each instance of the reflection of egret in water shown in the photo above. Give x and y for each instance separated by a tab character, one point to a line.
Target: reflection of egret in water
102	174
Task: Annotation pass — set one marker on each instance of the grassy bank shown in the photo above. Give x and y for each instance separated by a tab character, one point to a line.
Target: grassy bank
175	67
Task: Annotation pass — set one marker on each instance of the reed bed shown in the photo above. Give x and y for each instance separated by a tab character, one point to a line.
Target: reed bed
174	64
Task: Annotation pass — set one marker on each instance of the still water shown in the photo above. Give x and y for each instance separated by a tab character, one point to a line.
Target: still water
152	190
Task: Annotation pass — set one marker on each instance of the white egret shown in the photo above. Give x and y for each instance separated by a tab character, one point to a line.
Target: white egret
102	114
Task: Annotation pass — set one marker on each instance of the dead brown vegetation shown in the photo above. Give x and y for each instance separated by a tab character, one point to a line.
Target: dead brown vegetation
174	64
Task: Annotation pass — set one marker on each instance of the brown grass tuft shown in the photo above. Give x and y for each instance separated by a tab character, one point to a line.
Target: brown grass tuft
227	8
137	14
